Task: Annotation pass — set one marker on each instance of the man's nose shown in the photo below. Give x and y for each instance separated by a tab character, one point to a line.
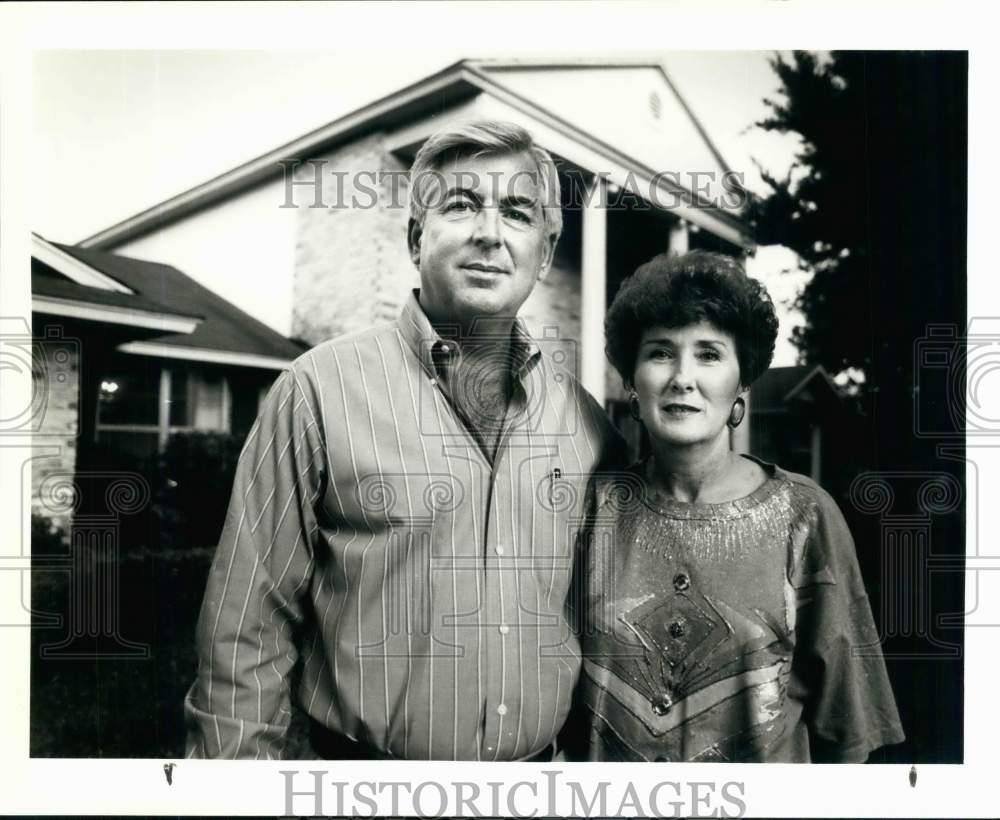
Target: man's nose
486	228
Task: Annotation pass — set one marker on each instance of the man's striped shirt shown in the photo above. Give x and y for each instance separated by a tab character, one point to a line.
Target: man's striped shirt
381	572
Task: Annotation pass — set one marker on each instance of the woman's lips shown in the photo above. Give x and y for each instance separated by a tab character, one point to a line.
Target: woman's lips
680	410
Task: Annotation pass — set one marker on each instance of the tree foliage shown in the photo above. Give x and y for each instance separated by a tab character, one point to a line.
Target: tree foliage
820	209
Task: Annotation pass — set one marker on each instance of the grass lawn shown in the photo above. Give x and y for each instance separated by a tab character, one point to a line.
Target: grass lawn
102	704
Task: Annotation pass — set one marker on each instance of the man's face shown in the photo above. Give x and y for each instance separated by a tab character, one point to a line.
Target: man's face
483	244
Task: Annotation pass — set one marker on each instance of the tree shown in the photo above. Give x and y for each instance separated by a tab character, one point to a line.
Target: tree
874	206
814	209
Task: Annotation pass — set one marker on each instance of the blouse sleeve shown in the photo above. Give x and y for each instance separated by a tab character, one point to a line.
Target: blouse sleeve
849	706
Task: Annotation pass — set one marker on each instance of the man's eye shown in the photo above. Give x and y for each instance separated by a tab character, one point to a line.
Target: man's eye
518	216
458	206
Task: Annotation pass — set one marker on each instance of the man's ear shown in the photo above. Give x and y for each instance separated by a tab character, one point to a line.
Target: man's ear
547	256
413	233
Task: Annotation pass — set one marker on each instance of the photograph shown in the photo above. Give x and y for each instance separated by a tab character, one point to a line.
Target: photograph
496	405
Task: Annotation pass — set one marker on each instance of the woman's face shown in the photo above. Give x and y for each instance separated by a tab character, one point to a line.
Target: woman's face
687	379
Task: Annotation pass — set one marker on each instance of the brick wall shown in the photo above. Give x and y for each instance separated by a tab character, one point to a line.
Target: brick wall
56	386
352	268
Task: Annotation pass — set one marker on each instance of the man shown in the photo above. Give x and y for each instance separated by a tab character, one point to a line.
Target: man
397	552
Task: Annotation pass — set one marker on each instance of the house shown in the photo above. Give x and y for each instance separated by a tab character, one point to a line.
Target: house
322	220
128	352
801	421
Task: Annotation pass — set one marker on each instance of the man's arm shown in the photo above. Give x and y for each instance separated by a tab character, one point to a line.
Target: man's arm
239	705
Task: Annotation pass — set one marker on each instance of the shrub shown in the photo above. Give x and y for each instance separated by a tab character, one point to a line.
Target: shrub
195	478
46	537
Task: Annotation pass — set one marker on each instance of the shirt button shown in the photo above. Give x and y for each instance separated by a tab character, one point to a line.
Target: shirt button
676	629
445	349
504	629
502	709
434	381
681	581
499	549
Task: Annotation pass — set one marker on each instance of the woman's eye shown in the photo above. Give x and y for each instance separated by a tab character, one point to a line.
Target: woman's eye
659	353
710	355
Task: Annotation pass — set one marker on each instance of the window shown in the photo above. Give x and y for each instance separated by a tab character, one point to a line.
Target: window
141	401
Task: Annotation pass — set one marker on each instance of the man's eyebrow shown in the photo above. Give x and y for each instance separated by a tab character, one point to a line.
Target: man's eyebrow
458	190
520	201
512	201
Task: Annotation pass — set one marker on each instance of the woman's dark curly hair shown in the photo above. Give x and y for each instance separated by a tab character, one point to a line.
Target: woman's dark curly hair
675	291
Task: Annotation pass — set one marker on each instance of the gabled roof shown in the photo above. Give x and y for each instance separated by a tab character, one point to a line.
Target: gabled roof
599	131
649	118
781	386
215	329
63	285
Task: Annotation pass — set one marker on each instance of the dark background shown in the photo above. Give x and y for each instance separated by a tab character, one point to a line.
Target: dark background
910	185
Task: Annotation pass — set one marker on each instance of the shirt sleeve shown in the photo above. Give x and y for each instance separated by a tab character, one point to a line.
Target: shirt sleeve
239	705
849	706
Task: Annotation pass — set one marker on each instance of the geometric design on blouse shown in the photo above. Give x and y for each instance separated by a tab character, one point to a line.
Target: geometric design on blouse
735	718
682	646
669	632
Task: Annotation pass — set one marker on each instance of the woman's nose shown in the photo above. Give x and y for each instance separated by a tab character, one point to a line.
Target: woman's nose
682	377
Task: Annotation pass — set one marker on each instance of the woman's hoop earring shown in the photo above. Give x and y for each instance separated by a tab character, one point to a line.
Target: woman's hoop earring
633	405
736	414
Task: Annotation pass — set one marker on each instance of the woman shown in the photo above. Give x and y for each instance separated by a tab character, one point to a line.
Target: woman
723	616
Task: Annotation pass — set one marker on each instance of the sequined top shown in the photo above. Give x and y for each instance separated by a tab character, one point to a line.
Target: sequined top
724	632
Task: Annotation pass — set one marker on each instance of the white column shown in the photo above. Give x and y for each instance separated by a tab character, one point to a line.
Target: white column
816	453
227	406
593	290
678	238
163	418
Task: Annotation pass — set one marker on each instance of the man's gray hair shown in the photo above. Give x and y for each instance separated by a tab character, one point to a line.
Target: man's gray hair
485	138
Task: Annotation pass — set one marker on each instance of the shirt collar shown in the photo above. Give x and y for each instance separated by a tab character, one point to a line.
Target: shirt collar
428	345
